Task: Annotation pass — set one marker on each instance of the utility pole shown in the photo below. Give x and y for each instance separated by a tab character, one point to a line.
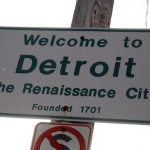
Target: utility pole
91	14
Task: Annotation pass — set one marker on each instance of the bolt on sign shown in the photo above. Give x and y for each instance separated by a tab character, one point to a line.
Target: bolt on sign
75	74
62	136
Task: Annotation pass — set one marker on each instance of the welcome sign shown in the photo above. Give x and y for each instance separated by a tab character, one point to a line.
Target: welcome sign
77	74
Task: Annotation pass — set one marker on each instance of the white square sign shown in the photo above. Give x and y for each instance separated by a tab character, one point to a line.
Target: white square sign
62	136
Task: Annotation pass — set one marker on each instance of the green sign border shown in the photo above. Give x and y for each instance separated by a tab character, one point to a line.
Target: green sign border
83	119
75	29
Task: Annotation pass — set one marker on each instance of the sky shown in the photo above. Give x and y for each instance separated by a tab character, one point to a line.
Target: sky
16	134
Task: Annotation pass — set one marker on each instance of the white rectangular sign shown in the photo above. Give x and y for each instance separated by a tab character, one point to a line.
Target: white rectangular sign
77	74
62	136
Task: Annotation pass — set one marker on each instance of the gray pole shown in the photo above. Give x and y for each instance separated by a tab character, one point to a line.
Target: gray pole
93	13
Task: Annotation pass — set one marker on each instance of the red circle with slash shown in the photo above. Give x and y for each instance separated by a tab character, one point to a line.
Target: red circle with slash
47	135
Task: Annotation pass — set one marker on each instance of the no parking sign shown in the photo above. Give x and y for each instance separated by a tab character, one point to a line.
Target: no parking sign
60	136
